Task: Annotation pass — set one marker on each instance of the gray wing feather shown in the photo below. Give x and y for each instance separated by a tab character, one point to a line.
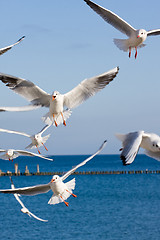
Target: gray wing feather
153	32
26	89
88	88
30	191
26	153
84	162
14	132
131	144
5	49
112	19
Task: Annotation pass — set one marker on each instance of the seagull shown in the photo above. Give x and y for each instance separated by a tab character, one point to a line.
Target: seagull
24	209
37	139
133	141
56	102
136	36
5	49
61	190
11	154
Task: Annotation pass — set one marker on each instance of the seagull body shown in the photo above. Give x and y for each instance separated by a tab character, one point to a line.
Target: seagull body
61	190
11	154
136	37
37	139
56	102
24	209
5	49
131	143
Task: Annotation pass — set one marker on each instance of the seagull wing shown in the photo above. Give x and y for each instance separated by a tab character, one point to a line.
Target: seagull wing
30	154
26	89
153	32
23	206
112	19
19	109
40	219
67	174
131	143
44	129
2	150
30	191
88	88
15	132
5	49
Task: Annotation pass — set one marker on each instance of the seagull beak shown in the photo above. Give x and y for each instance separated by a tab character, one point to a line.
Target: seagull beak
138	36
53	98
52	180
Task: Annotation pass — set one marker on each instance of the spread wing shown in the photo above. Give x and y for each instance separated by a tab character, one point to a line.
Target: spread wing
23	206
15	132
88	88
30	191
131	143
84	162
26	89
30	154
153	32
112	19
44	129
5	49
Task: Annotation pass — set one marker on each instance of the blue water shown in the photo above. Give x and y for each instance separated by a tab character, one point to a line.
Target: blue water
110	207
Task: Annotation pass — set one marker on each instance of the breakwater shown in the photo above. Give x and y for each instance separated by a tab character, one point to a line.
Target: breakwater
80	173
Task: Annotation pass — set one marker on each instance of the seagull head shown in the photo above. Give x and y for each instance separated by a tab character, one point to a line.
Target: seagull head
54	95
55	178
10	152
156	146
142	34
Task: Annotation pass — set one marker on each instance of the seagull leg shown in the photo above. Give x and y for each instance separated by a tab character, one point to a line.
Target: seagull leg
44	146
71	193
66	203
55	120
38	150
64	122
129	52
136	52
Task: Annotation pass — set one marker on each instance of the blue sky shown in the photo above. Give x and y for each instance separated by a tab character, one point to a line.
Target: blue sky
65	43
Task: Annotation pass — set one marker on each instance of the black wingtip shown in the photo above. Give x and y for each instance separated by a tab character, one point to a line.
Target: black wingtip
21	39
123	158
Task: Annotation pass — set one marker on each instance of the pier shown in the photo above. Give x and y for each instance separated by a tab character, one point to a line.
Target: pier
38	173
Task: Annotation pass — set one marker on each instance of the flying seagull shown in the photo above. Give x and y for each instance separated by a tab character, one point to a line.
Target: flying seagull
136	36
61	190
56	102
11	154
131	143
37	139
24	209
5	49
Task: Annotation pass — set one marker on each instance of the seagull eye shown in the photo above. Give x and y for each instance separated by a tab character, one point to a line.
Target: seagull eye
153	144
156	145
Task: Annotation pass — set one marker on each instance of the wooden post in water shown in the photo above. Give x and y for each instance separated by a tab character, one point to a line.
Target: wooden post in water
37	168
16	168
26	170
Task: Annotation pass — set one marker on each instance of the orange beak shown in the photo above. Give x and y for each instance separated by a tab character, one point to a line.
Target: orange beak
53	98
52	180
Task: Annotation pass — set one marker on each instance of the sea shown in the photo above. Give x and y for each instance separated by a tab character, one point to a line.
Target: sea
108	206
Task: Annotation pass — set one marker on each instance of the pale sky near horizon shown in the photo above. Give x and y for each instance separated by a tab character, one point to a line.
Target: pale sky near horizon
66	42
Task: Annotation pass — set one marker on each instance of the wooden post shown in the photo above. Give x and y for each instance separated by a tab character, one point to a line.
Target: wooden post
16	168
37	168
